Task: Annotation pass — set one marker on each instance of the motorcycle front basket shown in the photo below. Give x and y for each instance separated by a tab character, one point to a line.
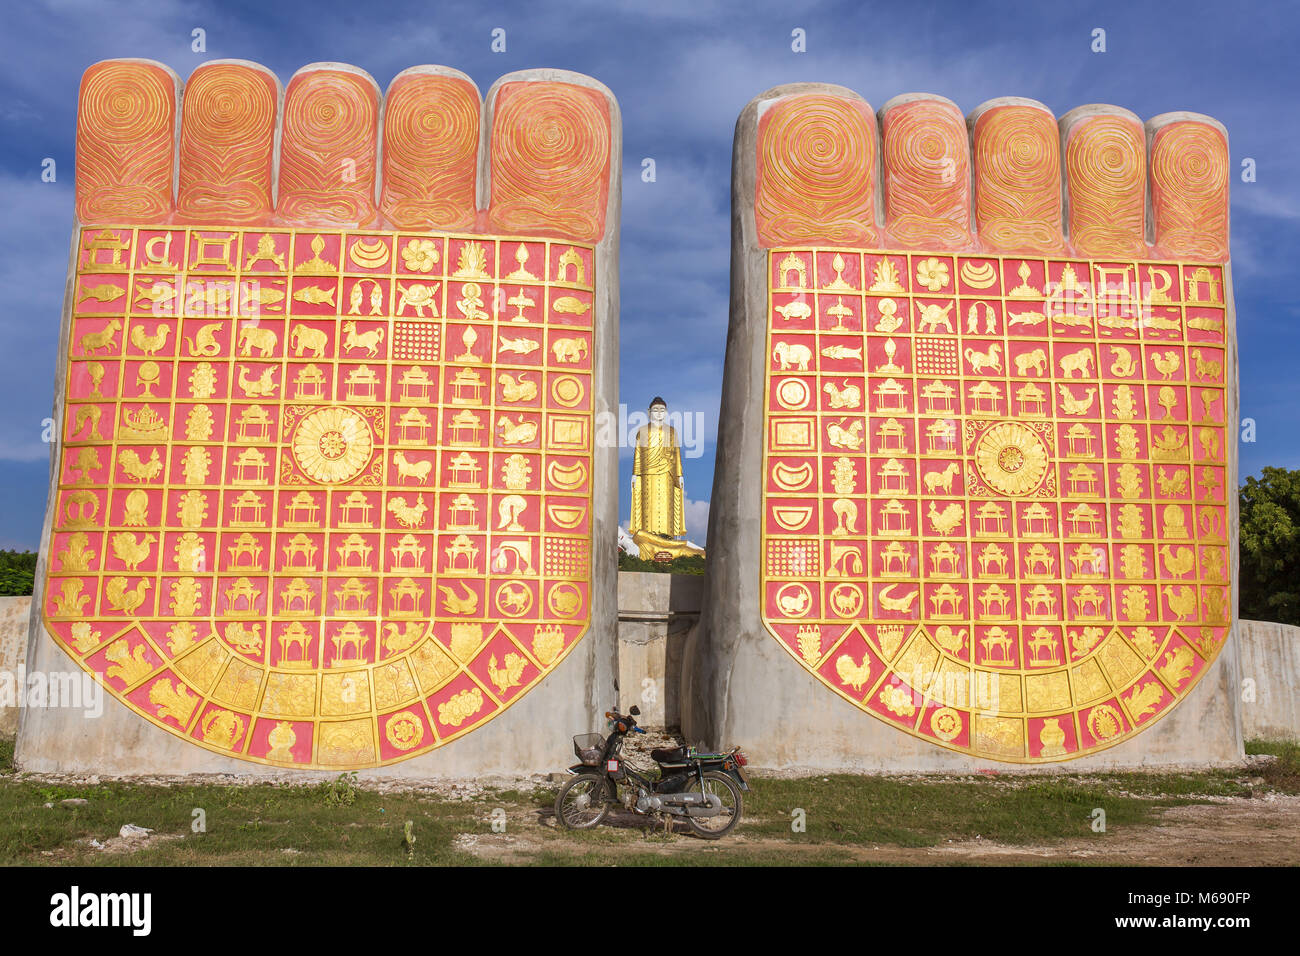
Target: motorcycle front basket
589	748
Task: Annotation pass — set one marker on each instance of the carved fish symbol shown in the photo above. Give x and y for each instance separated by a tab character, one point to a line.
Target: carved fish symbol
841	352
265	296
159	293
102	293
315	295
520	346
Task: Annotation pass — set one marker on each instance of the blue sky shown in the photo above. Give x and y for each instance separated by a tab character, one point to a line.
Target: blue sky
682	71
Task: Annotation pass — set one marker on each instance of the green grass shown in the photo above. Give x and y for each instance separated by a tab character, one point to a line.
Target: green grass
920	812
1284	773
719	854
338	822
245	825
845	809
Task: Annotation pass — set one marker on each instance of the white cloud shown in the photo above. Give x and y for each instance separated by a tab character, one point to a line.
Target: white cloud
1263	200
697	520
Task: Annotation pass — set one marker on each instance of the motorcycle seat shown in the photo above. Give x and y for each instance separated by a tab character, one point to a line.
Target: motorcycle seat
668	754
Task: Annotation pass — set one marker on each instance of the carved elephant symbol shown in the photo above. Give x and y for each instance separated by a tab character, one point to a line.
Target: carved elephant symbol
304	338
792	353
254	337
569	350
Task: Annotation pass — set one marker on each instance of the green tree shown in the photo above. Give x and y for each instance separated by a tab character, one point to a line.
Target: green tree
17	571
1270	546
686	564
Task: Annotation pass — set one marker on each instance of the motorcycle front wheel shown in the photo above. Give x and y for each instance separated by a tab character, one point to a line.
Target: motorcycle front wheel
719	784
582	802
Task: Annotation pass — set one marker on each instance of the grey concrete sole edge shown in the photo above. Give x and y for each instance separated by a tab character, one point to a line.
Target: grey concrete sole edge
741	687
532	736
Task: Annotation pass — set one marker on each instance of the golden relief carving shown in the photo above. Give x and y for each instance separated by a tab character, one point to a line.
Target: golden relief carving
1012	458
332	444
1016	469
276	487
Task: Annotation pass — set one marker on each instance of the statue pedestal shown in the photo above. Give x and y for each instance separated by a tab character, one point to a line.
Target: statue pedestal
657	547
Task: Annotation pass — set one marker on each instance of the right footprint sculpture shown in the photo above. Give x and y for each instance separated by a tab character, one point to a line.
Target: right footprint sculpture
976	436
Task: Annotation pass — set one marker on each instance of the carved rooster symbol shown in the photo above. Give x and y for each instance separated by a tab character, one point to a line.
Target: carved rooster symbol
945	521
853	674
120	598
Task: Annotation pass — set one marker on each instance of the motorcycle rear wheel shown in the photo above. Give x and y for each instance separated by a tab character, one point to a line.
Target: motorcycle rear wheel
718	783
582	802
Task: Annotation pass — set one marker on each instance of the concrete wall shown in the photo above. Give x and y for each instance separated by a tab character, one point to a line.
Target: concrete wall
13	651
655	614
1270	660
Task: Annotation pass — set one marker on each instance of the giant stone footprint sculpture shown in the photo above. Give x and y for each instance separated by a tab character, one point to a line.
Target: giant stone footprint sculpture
326	493
974	497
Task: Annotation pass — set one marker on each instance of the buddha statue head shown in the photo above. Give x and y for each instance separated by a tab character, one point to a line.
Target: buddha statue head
658	410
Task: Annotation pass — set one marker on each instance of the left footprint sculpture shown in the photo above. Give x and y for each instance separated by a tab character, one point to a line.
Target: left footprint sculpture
326	493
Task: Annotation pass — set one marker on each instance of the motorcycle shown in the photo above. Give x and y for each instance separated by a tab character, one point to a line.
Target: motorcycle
705	789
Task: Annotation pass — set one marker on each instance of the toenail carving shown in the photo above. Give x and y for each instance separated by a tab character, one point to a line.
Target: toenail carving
1017	158
927	173
431	139
1189	189
328	150
125	141
227	145
817	171
549	160
1105	164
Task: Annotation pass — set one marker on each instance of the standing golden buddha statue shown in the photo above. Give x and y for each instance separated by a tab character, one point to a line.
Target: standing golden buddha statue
658	518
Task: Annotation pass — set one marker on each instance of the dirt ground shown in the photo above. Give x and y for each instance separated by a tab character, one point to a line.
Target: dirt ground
1228	832
1262	830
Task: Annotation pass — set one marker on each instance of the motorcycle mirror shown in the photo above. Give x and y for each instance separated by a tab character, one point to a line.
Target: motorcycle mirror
635	711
